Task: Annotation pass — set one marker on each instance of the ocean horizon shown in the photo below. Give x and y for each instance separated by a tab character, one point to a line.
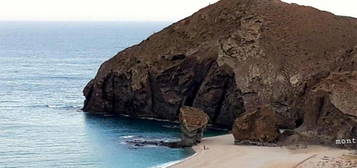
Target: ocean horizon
45	66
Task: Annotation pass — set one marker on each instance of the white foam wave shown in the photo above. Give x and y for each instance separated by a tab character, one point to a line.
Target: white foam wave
127	136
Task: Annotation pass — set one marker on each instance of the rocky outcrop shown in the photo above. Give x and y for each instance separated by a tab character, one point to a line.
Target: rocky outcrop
186	82
193	122
234	57
330	110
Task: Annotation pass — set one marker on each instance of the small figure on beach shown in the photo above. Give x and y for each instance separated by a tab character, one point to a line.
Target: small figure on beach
204	147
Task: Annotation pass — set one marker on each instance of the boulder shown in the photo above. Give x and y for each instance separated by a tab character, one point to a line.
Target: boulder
193	122
259	127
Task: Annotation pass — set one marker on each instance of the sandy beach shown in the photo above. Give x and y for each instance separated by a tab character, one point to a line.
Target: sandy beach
222	153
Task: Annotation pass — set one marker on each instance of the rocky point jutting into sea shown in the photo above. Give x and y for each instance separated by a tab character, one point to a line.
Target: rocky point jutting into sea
257	66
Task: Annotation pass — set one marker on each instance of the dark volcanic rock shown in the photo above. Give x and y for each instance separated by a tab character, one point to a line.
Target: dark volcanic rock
187	82
234	57
193	122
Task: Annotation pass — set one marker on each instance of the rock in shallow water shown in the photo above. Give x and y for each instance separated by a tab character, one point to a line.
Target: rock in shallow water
193	123
143	143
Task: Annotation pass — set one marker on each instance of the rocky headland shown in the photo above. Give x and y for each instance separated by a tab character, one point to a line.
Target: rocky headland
272	71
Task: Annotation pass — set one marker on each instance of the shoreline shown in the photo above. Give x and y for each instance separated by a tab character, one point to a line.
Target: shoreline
173	163
223	153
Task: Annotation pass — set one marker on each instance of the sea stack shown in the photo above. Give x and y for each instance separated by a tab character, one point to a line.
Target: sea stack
193	123
234	58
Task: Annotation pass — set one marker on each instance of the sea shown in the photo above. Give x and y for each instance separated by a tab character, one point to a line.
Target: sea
43	68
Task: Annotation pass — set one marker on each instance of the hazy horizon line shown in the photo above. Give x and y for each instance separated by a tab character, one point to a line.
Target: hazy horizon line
163	21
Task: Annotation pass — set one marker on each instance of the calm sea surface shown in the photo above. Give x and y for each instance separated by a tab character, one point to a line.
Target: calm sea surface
43	69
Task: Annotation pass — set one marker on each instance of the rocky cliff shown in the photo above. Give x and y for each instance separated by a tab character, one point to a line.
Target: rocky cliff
234	58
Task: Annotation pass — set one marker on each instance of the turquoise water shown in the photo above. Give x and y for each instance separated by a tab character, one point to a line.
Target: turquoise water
44	67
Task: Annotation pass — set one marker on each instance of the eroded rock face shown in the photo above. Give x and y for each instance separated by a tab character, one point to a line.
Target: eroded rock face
193	122
330	110
234	57
150	94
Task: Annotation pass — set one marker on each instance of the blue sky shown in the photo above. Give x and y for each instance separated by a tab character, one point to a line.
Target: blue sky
131	10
